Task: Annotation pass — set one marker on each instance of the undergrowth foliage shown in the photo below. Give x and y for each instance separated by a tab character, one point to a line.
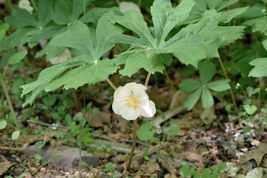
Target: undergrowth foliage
190	32
214	43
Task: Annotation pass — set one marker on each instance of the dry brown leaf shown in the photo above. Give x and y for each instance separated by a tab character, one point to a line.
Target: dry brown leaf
256	154
4	166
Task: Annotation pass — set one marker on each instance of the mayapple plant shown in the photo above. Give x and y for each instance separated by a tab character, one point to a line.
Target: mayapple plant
191	32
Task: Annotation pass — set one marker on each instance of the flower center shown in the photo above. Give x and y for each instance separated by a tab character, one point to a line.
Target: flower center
133	102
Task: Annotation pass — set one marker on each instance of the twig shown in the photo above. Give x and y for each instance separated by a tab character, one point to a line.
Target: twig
6	148
111	84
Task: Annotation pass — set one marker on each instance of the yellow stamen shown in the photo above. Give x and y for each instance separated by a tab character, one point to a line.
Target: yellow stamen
133	102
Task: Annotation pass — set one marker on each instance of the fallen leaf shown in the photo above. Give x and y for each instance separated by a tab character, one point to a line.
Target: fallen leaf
255	173
4	166
256	154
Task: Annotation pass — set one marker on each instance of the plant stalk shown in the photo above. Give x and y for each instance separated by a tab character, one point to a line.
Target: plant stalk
10	105
129	160
9	5
231	87
147	79
111	84
34	5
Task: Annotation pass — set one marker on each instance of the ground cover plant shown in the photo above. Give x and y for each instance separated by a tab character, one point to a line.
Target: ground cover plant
154	88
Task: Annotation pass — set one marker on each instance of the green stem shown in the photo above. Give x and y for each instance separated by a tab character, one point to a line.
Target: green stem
84	7
34	5
118	2
10	105
111	84
231	87
9	5
129	161
139	3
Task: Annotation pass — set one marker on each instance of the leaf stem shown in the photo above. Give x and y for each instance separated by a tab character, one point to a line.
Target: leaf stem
147	79
34	5
111	84
231	87
118	2
139	3
10	105
129	160
9	5
84	7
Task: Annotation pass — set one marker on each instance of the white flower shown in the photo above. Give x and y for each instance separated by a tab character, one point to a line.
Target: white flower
25	4
132	101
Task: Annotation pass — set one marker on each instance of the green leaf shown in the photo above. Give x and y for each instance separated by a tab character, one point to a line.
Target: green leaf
40	144
260	68
77	36
134	21
17	57
206	70
15	135
192	99
219	6
3	124
3	29
15	39
186	170
165	18
39	35
83	74
146	131
172	130
21	18
189	85
93	15
219	86
150	62
206	97
250	109
45	11
265	44
67	11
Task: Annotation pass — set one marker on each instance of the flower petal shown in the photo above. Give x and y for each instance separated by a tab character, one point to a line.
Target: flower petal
116	106
133	86
147	108
129	113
